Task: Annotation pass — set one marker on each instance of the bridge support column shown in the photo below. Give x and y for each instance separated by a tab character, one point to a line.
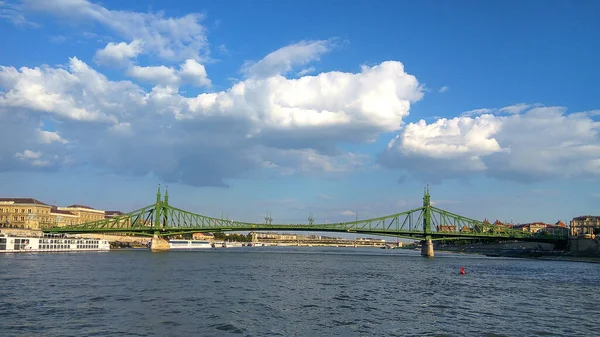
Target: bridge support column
159	244
427	248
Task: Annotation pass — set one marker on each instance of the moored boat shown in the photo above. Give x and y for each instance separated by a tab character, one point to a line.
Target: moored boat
50	243
189	244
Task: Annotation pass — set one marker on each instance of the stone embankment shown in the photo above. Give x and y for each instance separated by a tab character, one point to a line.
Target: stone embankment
580	250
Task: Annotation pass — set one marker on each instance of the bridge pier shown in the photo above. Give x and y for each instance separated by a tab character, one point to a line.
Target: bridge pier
427	248
159	244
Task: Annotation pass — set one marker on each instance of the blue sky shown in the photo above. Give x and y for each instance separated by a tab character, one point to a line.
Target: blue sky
331	108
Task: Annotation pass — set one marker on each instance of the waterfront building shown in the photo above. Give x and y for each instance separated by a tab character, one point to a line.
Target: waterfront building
532	227
585	224
25	213
370	240
84	213
30	213
446	228
203	236
112	214
63	218
256	236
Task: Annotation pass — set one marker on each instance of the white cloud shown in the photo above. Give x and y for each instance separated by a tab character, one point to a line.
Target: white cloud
170	38
118	54
539	143
302	161
194	73
13	13
515	109
75	94
155	74
347	212
34	158
306	71
593	113
444	89
48	137
283	60
190	72
476	112
28	154
291	126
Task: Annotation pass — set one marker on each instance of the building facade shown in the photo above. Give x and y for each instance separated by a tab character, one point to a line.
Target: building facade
585	225
203	236
63	218
84	213
30	213
25	213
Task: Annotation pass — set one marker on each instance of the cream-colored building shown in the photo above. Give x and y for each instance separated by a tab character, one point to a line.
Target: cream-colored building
203	236
63	218
258	236
27	213
585	224
84	213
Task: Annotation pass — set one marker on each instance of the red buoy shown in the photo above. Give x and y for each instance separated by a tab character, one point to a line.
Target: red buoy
462	271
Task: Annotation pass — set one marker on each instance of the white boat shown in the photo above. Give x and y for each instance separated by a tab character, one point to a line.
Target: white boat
228	244
50	243
189	244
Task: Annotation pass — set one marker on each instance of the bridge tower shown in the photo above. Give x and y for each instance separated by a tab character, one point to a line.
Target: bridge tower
159	243
427	244
166	195
157	210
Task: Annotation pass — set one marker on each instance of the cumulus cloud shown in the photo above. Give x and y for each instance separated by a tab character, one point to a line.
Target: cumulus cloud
443	89
288	126
118	54
190	72
283	60
538	143
80	93
28	154
33	158
49	137
169	38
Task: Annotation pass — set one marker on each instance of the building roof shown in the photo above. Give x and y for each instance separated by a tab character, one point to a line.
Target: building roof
79	206
28	201
110	214
60	211
585	217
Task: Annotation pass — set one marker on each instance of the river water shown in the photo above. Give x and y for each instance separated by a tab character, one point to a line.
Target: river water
294	291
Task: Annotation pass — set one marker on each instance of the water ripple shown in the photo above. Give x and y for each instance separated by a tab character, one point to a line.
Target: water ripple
294	291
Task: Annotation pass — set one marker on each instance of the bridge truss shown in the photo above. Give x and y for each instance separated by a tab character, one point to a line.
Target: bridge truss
426	222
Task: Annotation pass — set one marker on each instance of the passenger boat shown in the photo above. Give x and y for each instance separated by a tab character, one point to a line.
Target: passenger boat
50	243
189	244
228	244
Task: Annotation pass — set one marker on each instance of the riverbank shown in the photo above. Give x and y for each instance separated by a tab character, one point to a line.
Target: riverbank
523	250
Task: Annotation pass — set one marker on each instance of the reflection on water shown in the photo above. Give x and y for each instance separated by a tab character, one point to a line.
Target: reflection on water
294	291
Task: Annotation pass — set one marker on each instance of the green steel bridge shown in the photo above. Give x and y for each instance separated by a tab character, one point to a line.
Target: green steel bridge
424	223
